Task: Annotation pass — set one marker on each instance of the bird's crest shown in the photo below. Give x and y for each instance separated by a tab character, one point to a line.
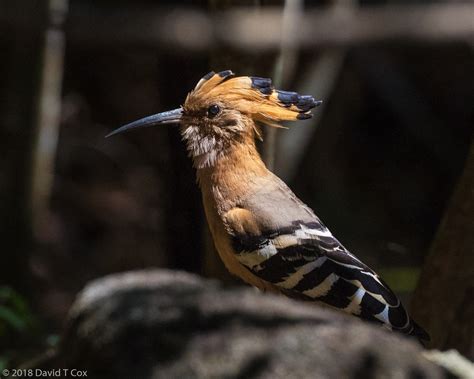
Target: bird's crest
255	96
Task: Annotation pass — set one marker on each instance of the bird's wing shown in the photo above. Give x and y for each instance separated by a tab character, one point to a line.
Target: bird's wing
299	255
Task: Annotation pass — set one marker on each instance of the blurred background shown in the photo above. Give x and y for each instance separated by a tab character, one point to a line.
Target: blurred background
379	163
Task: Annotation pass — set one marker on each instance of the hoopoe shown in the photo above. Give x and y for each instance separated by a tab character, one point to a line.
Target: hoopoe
263	233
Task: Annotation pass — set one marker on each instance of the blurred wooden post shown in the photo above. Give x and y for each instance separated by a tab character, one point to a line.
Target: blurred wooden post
250	32
443	302
19	91
284	67
19	117
47	114
319	81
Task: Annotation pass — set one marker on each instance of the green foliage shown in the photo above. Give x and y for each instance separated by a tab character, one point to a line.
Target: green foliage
3	362
22	335
16	320
401	279
15	314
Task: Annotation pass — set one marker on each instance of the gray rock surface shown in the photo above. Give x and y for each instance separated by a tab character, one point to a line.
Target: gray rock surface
167	324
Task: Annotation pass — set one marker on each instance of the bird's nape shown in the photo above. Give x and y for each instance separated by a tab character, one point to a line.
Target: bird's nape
169	117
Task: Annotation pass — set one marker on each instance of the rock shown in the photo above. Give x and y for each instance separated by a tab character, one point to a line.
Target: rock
166	324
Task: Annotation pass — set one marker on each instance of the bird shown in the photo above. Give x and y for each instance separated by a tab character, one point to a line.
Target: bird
262	231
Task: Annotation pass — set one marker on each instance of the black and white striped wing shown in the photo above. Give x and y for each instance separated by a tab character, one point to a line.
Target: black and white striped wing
305	261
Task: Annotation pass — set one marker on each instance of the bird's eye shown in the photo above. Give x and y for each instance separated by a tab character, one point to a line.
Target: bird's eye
213	110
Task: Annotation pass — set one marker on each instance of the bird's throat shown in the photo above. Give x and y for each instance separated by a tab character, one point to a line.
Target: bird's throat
233	175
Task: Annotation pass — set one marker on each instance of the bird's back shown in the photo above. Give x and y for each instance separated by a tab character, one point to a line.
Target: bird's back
284	243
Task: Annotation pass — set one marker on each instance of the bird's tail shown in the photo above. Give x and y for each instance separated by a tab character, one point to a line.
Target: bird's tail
418	332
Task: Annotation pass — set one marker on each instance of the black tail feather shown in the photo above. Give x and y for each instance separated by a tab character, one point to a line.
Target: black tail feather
419	333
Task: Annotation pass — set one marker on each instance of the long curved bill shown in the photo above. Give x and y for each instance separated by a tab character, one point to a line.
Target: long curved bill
169	117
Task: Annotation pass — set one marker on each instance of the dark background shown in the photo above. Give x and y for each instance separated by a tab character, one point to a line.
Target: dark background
378	164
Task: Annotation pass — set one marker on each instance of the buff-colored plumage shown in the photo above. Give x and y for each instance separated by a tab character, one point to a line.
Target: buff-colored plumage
242	94
264	234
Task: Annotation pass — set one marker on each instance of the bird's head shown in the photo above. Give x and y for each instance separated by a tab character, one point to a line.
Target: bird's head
224	110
